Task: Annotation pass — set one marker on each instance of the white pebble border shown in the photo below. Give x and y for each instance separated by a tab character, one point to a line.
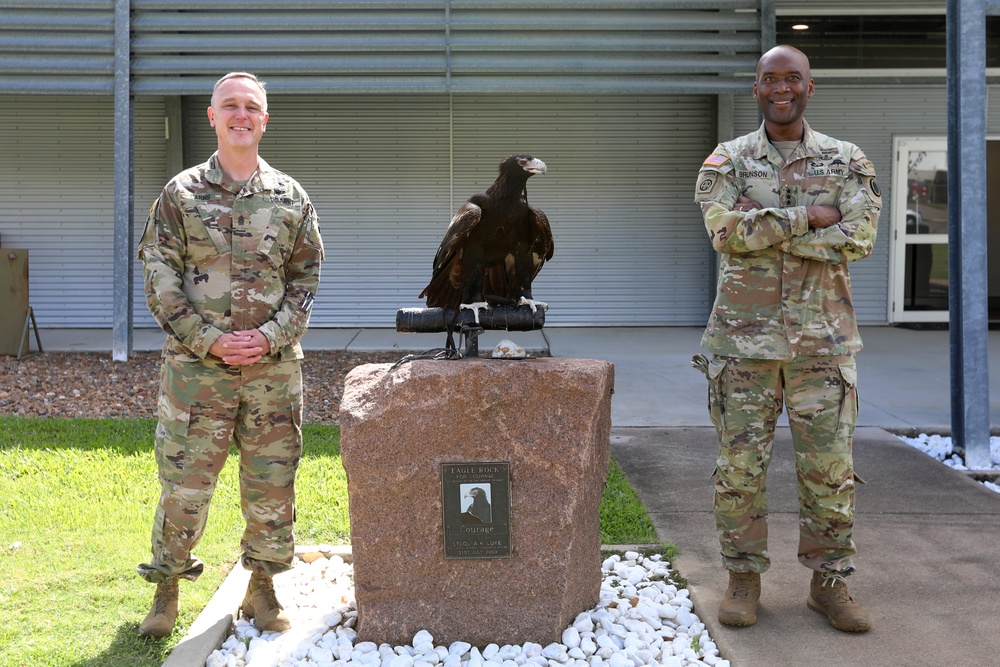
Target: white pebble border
642	619
940	447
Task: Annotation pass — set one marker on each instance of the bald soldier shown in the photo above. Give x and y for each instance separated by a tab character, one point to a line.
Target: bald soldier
787	209
231	259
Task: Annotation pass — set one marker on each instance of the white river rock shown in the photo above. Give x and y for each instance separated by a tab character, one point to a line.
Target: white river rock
641	619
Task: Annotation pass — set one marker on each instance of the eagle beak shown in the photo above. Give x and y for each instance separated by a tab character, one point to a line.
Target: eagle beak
536	166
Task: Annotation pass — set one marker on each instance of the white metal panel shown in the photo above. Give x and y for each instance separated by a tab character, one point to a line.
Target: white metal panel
630	245
57	198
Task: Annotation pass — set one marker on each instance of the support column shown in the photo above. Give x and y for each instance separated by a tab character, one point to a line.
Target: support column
967	270
121	348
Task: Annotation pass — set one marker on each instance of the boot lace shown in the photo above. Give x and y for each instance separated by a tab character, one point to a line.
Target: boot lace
740	588
164	595
837	584
265	588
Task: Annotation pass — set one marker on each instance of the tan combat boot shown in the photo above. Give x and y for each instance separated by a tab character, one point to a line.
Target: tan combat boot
261	604
828	595
159	622
739	606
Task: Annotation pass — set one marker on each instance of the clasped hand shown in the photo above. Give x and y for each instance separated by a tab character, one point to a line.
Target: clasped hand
240	347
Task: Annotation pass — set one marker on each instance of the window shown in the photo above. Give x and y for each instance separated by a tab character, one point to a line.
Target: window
878	42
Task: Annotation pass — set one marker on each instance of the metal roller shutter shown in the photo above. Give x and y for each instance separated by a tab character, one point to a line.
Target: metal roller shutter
630	246
58	177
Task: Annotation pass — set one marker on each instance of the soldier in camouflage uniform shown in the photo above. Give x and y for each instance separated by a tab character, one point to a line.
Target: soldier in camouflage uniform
231	257
787	208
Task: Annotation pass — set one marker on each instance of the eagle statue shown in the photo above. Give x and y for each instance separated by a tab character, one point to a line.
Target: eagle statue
493	248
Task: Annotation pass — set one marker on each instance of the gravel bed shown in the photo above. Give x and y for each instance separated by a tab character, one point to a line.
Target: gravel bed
940	447
643	618
91	385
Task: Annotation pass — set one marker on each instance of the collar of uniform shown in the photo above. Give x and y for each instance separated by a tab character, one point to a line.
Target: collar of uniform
808	148
262	179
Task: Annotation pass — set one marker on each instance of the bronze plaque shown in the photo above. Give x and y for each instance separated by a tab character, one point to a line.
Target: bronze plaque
476	502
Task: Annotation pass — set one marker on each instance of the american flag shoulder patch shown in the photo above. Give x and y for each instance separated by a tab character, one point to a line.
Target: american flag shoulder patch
715	160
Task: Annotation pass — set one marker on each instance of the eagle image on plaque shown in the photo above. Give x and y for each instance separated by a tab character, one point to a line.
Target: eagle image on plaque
476	508
476	504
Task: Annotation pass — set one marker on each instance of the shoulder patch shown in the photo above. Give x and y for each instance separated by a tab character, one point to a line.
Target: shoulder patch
715	160
872	191
710	184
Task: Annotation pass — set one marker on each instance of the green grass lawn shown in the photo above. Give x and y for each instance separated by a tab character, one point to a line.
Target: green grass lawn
76	502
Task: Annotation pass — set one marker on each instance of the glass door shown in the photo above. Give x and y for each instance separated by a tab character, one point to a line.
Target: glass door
920	230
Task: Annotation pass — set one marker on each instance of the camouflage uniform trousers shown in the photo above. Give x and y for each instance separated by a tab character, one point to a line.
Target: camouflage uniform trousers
203	408
745	401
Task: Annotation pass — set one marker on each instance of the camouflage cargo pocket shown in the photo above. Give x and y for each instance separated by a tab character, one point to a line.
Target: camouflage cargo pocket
717	392
173	422
714	371
848	418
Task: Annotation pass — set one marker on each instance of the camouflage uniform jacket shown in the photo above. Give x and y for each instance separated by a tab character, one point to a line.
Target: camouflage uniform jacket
784	288
218	257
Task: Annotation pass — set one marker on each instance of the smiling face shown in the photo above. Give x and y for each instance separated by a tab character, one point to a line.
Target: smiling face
783	87
238	114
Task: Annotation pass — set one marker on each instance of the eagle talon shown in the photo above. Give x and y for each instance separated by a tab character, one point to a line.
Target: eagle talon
525	301
475	307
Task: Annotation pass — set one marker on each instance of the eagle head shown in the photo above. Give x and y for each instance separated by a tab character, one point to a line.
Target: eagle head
513	164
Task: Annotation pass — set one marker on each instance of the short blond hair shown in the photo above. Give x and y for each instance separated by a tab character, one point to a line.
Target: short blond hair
242	75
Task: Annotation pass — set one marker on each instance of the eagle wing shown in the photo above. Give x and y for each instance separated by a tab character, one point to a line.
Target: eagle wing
518	269
445	287
542	245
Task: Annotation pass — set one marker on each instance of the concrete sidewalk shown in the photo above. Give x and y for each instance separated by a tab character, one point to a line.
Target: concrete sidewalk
927	564
903	375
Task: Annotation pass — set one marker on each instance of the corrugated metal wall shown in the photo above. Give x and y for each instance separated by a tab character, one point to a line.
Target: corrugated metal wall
636	47
869	116
344	46
57	173
64	46
630	246
515	45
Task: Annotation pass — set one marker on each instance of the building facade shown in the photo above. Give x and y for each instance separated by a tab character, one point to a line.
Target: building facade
392	113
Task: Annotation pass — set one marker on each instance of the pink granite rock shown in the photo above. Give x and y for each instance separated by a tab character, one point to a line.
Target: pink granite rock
551	420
